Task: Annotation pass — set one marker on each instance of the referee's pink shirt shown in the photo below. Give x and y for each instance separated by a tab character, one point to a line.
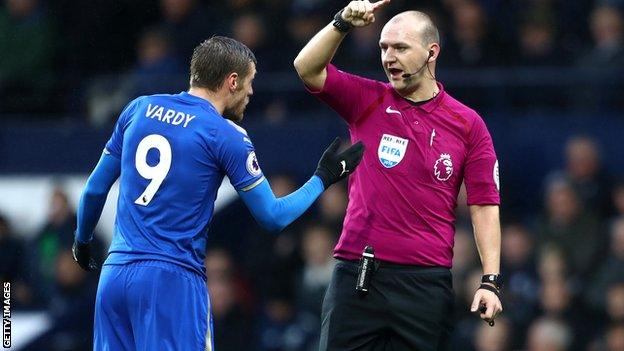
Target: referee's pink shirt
402	197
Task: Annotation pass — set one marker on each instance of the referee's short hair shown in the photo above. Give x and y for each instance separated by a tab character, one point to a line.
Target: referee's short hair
215	58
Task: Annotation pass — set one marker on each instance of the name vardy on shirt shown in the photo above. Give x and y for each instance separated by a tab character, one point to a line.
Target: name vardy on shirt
169	116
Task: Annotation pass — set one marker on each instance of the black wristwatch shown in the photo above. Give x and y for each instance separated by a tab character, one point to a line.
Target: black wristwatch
494	279
340	24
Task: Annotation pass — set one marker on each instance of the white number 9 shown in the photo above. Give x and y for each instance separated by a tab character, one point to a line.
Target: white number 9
156	173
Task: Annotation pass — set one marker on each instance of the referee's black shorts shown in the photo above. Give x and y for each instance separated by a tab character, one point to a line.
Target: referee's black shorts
407	308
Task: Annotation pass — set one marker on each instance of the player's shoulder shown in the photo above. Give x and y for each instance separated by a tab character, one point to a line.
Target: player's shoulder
229	133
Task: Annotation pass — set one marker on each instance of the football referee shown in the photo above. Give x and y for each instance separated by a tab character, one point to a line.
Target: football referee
392	286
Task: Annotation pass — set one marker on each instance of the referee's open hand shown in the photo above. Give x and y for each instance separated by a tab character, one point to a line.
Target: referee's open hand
487	304
362	13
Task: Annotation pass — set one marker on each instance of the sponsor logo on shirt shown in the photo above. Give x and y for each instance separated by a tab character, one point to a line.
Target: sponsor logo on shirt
443	167
252	164
390	110
496	177
391	150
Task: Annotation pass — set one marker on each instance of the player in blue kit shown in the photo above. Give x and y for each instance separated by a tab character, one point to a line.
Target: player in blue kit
171	153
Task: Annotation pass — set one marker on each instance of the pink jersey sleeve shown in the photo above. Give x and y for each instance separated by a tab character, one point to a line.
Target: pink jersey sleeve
349	95
481	170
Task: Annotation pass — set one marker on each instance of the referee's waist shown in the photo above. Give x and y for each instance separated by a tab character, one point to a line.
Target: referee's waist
380	264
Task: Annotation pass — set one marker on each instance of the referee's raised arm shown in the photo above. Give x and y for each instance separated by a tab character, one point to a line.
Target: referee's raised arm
313	59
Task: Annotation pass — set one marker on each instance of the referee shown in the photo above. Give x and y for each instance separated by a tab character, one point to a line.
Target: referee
392	286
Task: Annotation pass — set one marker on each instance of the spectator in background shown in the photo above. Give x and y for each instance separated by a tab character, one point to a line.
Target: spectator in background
537	44
552	263
157	69
522	282
14	267
617	196
564	225
249	29
610	271
56	236
273	261
604	60
557	300
317	247
590	180
497	338
283	328
549	334
615	302
70	307
189	22
27	44
363	44
471	41
332	207
615	337
231	321
607	30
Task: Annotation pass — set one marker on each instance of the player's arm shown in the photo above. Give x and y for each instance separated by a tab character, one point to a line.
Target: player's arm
90	207
276	213
313	59
487	232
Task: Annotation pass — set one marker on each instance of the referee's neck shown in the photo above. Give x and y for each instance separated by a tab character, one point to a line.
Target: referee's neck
426	90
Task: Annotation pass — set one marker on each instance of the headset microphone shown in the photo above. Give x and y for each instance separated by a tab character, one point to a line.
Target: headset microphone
407	75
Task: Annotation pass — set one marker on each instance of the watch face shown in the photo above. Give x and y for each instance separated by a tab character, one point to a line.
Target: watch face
492	279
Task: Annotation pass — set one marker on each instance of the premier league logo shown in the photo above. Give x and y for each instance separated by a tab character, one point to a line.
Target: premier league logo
391	150
252	164
443	168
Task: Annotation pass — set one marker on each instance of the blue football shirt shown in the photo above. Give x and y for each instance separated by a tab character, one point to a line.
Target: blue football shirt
174	152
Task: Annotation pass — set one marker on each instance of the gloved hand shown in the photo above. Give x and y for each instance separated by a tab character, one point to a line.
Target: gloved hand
82	255
333	167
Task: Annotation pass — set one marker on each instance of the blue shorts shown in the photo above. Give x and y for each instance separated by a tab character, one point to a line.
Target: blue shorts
151	305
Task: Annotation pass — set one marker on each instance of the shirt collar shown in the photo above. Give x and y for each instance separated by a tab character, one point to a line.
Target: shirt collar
196	99
427	107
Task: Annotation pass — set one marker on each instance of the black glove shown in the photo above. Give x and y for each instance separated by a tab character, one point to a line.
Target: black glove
333	167
82	255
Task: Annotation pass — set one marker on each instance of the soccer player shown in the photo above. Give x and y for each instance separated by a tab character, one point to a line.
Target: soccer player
171	153
421	144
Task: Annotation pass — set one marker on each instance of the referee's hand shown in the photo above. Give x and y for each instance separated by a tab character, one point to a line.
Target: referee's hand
491	303
362	13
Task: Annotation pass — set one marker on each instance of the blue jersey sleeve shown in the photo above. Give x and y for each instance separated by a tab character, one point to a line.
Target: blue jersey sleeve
94	196
114	144
238	160
275	214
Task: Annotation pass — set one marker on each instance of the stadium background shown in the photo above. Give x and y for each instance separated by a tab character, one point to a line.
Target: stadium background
546	75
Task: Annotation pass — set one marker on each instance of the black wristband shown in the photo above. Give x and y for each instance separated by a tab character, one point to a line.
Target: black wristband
490	288
340	24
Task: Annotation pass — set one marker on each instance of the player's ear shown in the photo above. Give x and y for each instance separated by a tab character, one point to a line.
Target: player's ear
232	81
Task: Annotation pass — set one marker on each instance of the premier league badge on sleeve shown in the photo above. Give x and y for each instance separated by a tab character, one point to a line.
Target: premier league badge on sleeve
252	164
391	150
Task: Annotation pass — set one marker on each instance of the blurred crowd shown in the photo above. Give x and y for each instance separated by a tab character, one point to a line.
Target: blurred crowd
90	57
563	269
